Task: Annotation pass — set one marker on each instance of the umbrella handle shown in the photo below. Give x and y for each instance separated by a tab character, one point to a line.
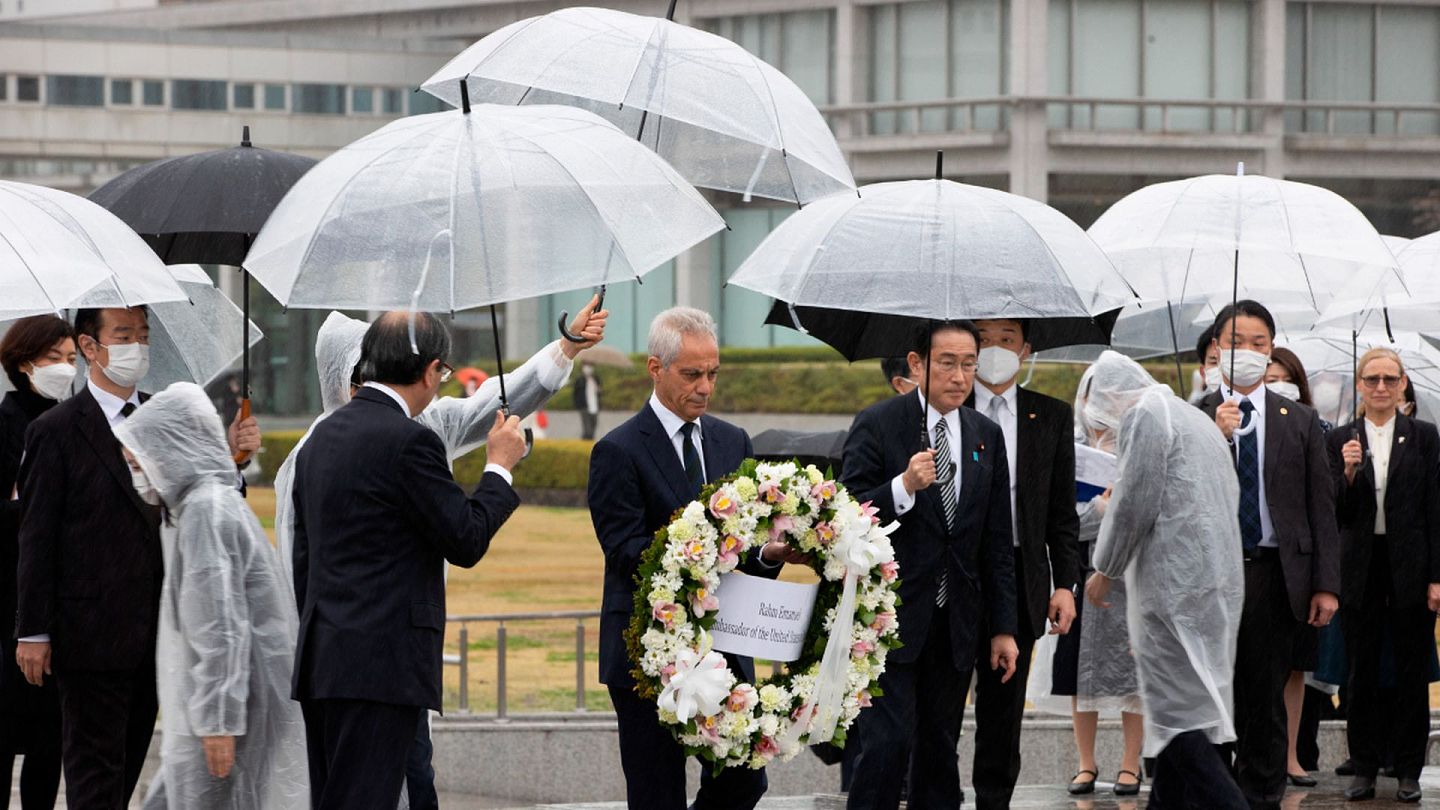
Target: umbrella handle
242	457
565	319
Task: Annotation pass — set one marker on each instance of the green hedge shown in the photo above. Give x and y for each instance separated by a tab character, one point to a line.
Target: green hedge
554	463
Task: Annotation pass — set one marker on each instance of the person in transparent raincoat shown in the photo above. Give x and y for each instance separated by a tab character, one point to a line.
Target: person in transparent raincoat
1171	530
462	423
232	737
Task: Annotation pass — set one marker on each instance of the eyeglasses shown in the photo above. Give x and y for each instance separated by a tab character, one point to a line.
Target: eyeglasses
949	365
1374	380
446	371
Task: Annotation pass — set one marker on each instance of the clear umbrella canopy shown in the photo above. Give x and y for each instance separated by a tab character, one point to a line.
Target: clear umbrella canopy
59	251
935	249
1295	245
1143	331
722	117
1329	357
1409	303
455	210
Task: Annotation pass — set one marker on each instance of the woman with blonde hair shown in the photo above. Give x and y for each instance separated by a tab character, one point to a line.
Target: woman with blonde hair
1387	472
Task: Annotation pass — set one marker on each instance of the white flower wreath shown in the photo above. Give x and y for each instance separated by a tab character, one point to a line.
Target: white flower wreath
816	699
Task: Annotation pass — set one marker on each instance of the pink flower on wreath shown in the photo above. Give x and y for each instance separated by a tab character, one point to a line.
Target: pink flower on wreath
694	549
666	672
770	493
883	621
825	490
873	512
730	550
666	613
864	698
722	505
767	747
779	525
742	698
889	570
861	648
702	601
708	728
825	533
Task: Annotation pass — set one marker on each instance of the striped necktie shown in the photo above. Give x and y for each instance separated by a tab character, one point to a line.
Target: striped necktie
949	501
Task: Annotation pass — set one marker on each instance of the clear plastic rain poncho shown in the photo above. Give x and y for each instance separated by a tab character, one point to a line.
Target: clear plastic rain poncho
227	622
1171	529
463	424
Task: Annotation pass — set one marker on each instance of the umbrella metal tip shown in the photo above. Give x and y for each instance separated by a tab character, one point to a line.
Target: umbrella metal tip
245	136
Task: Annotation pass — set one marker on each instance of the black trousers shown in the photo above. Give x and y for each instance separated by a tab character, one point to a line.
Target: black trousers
920	712
357	751
1262	665
419	773
1191	773
106	722
588	423
1396	720
654	764
999	708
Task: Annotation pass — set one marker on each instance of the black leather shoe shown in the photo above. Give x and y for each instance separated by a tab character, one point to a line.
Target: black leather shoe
1409	791
1346	768
1361	788
1079	788
1130	789
1300	780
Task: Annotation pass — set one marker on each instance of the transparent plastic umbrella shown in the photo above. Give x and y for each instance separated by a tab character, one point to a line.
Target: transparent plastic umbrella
1410	304
59	251
1142	331
1329	357
722	117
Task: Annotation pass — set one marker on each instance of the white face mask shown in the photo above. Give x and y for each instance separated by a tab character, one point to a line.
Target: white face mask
146	490
1212	378
998	365
1249	367
129	363
1288	390
52	381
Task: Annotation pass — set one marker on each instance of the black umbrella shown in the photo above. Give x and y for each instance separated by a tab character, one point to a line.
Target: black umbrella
205	208
821	448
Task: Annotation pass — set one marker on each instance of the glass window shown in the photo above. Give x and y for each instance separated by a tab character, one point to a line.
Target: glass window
1339	66
422	102
152	92
122	91
742	312
244	96
1057	62
394	103
75	91
27	88
799	43
362	99
197	94
977	58
937	49
1407	66
4	87
1107	53
883	85
274	96
1176	44
325	99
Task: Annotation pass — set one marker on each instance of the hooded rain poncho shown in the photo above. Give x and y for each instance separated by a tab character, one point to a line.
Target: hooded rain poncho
227	623
1171	530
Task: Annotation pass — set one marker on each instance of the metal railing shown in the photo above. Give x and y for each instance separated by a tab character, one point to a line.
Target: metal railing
1151	115
462	658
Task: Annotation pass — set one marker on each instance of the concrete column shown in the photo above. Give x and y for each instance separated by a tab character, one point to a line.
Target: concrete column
521	329
695	276
851	57
1029	158
1267	79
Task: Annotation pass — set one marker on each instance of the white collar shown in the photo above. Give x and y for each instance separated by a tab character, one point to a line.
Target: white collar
1383	427
110	405
391	392
952	418
983	396
1256	397
669	419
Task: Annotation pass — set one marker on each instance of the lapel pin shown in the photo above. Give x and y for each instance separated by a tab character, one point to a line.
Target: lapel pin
1284	411
1401	440
1032	416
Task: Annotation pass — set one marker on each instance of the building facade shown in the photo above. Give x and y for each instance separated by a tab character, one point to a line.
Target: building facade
1074	102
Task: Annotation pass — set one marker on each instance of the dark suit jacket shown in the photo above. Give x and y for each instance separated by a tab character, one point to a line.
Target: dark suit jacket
1412	510
1300	493
1046	521
637	483
377	515
90	560
979	554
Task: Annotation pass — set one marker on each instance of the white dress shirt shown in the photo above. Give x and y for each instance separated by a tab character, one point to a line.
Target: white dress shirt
672	424
1257	398
1003	411
1381	439
905	501
405	409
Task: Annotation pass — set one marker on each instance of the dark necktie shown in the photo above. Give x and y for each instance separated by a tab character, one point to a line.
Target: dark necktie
694	472
949	501
127	409
1248	469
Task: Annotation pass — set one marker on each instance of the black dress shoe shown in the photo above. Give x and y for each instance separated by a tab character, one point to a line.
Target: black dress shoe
1300	780
1409	791
1127	789
1079	788
1361	788
1346	768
